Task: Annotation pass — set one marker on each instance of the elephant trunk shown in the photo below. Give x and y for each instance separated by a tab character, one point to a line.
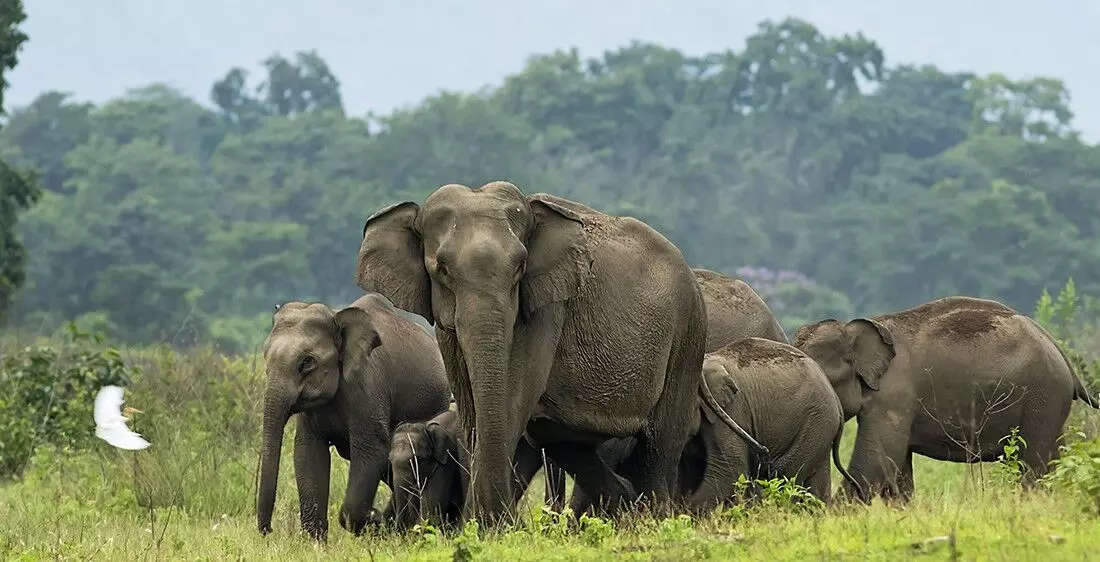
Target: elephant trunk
485	336
276	414
405	507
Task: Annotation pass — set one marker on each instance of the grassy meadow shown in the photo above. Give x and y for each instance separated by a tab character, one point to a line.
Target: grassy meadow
191	497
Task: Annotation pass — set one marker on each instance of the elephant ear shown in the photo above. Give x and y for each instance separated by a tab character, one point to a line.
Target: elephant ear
356	338
870	349
439	439
559	262
391	259
722	386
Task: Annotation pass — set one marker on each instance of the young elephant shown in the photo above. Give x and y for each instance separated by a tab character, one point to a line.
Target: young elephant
948	380
734	311
784	399
429	470
350	377
779	395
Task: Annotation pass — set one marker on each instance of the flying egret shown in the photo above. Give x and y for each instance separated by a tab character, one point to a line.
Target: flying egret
110	423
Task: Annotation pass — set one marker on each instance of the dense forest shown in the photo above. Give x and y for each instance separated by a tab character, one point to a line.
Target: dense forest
832	181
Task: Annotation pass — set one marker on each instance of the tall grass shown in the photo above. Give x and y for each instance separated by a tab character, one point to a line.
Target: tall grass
191	495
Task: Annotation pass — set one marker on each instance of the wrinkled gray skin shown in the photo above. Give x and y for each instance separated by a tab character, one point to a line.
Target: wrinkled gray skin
430	471
734	311
781	397
551	317
349	377
947	379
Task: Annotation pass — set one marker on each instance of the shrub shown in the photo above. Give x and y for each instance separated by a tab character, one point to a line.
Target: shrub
47	394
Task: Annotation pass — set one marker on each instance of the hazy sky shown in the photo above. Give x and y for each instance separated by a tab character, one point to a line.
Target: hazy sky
390	53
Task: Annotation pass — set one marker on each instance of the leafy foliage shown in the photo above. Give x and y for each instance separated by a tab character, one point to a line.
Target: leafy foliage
18	189
47	393
1071	319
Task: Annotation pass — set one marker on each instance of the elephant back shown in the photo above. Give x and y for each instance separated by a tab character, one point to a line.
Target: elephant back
768	373
408	355
734	311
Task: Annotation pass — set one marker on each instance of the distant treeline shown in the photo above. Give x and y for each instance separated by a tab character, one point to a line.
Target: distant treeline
834	183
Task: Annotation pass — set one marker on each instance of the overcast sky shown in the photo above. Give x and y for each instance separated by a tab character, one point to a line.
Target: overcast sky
389	53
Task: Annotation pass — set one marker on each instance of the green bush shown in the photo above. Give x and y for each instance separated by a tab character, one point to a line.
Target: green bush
47	394
1071	319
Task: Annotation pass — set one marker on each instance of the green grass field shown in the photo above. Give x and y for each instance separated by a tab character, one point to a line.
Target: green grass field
191	497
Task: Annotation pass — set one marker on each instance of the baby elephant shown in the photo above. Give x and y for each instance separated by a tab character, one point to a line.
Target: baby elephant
429	471
783	398
349	377
777	394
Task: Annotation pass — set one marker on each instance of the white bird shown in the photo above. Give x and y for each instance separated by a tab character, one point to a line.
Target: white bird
110	423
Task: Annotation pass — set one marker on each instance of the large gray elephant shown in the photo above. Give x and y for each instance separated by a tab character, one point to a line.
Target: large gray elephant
552	318
948	380
350	377
734	311
783	398
429	466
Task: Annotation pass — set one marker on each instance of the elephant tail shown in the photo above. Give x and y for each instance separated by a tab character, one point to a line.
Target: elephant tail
708	398
836	460
1079	390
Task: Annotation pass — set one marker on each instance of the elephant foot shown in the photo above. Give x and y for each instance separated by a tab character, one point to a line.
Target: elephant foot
353	524
316	532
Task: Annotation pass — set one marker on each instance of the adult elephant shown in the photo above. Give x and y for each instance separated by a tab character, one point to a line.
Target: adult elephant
734	311
350	377
430	465
948	380
551	317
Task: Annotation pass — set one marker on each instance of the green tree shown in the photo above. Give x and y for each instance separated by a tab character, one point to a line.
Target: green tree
18	190
856	187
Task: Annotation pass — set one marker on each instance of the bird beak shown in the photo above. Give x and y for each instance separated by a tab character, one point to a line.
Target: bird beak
129	410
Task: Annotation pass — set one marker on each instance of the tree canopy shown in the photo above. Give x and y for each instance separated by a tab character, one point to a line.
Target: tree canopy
834	183
18	190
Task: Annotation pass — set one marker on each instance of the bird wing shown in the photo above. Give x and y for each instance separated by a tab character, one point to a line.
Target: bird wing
120	436
108	405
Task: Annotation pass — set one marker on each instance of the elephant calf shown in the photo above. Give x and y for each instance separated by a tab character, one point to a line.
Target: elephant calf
350	377
782	398
948	380
429	470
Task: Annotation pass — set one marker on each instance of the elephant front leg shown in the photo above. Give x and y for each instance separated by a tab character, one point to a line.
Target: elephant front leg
555	485
528	461
721	466
369	456
311	473
880	459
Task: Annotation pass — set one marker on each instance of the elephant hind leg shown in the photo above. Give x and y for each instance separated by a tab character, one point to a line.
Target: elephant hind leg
656	458
820	481
1041	434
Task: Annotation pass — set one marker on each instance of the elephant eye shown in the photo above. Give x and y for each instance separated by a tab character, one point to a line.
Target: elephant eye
307	364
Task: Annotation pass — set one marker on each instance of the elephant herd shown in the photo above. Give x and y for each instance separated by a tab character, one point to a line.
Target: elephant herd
580	343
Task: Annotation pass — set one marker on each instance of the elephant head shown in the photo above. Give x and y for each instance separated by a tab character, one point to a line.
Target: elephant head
474	262
309	354
426	475
853	355
721	385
